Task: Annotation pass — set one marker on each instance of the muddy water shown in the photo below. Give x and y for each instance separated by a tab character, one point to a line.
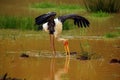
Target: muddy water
60	68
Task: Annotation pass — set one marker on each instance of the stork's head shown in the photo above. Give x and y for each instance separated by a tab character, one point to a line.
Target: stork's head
44	18
65	43
51	13
40	20
51	16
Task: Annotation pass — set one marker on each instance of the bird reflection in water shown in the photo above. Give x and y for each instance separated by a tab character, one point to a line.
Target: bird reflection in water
57	75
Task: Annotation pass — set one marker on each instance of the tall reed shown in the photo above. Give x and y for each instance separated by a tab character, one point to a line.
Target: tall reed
110	6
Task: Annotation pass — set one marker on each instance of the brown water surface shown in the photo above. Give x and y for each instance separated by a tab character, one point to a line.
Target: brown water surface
47	67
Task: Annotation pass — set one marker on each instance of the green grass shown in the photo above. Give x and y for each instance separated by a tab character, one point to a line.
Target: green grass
68	25
54	6
70	6
10	22
100	15
25	23
112	35
44	5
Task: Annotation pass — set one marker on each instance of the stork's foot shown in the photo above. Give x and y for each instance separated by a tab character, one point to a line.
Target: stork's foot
73	53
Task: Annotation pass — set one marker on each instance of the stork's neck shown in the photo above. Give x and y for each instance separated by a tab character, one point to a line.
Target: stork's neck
62	39
51	23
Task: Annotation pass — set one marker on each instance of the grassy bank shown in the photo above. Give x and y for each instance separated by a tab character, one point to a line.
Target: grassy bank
110	6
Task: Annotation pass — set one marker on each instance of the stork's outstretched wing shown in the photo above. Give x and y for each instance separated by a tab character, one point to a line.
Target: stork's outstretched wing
78	20
44	18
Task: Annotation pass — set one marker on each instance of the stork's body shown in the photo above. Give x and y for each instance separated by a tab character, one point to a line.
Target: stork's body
57	28
57	31
53	26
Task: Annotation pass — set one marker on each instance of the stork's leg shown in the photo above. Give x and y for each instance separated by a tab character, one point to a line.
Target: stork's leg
52	43
65	50
68	50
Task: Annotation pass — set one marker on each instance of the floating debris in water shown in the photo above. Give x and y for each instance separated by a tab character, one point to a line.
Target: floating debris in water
45	54
73	53
118	46
83	58
4	77
24	55
115	61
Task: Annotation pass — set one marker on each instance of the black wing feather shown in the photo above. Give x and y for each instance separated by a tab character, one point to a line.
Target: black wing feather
75	22
78	23
81	23
84	24
40	19
78	20
44	18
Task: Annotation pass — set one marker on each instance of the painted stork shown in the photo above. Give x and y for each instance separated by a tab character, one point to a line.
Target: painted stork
53	26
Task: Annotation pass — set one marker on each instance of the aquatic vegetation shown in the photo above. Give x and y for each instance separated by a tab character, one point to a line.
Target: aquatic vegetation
84	55
86	52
